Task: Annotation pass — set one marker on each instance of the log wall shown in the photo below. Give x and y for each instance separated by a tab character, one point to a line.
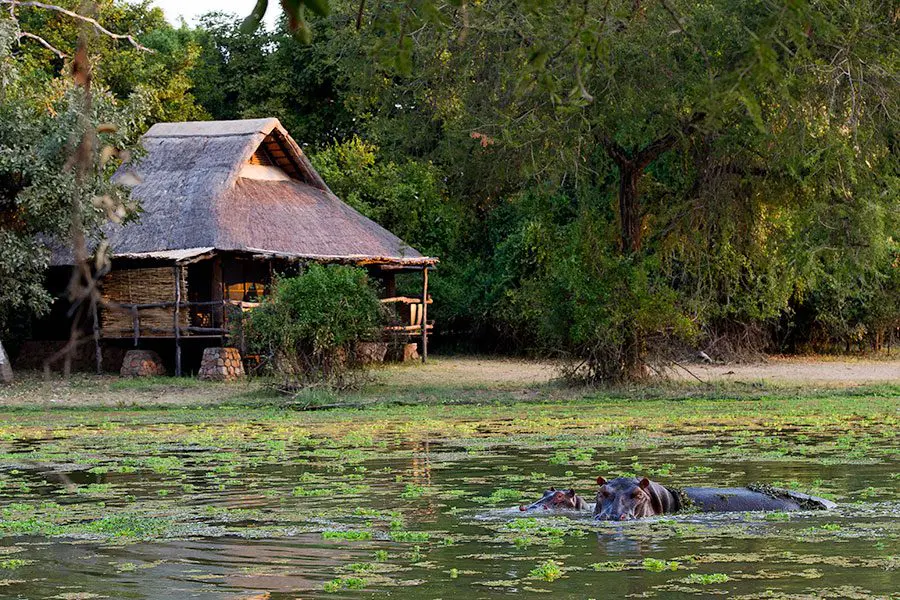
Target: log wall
142	286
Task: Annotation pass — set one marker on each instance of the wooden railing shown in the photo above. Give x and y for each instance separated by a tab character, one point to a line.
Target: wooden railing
218	323
410	315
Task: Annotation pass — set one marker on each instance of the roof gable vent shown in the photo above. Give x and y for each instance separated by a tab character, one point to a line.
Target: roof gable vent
261	157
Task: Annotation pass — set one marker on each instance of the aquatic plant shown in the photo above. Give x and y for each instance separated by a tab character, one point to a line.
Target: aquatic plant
706	579
548	571
657	566
347	535
344	583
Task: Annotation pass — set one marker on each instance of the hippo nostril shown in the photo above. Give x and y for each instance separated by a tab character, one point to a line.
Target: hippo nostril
522	507
623	517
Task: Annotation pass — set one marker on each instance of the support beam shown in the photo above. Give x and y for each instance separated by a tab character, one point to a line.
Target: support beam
176	324
425	314
6	372
98	353
136	321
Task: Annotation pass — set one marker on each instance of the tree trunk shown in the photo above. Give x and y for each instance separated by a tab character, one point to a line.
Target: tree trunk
629	208
6	373
631	168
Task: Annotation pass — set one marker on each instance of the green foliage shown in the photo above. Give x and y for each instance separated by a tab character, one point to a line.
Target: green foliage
162	76
407	198
40	197
755	141
243	74
309	325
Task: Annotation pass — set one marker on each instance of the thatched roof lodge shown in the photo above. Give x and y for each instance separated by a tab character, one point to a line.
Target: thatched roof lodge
225	206
246	186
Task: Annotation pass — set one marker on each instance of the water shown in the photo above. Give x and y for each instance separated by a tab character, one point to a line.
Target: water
421	504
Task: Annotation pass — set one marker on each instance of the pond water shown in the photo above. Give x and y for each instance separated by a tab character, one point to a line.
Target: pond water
422	504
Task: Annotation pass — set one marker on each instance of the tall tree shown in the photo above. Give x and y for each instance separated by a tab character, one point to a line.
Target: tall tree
715	130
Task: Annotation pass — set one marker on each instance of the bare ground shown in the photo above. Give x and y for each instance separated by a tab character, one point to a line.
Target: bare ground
822	371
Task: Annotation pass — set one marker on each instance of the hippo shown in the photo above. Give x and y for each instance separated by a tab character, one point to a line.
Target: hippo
554	499
626	498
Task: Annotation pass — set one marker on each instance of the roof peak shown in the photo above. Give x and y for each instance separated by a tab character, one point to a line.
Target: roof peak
235	127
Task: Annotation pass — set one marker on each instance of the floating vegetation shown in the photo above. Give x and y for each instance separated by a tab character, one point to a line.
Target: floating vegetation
422	501
657	566
344	583
547	571
347	535
705	579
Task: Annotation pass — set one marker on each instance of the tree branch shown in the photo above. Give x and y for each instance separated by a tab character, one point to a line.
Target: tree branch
615	151
93	22
694	41
654	149
43	43
359	14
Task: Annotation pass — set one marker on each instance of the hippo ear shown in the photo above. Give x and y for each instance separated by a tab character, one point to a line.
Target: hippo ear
644	484
553	489
601	481
656	502
570	493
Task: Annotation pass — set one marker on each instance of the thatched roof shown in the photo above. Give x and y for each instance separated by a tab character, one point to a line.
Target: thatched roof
196	191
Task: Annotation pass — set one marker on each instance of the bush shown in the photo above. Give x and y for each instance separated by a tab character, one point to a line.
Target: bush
308	327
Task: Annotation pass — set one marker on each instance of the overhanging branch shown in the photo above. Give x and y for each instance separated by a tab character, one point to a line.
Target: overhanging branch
93	22
42	42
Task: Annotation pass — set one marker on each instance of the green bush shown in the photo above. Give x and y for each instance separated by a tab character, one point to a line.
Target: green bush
308	327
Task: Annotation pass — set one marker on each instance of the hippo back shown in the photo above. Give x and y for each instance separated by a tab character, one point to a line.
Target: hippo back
736	499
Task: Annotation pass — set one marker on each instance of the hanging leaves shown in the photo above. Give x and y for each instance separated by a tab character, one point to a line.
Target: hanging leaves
251	23
295	11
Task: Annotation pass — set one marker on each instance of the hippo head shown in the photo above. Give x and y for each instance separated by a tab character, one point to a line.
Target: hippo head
554	499
627	498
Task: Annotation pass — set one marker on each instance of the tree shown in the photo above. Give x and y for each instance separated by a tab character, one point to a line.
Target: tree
154	59
244	74
49	192
716	130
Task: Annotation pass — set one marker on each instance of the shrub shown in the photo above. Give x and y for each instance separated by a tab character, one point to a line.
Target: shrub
308	327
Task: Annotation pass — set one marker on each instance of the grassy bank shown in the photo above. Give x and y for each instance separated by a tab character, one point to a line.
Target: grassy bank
443	381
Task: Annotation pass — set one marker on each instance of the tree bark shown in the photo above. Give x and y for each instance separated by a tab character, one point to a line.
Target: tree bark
629	208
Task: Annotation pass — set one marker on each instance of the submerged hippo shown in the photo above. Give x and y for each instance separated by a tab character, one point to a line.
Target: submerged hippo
554	499
626	498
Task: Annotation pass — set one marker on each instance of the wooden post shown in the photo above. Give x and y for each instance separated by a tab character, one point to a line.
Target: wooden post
177	325
6	372
136	320
424	314
98	354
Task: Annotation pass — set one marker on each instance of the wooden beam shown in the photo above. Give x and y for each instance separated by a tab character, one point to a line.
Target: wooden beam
98	353
176	324
425	315
136	321
403	300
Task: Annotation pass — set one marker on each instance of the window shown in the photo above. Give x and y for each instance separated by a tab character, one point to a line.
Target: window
245	280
